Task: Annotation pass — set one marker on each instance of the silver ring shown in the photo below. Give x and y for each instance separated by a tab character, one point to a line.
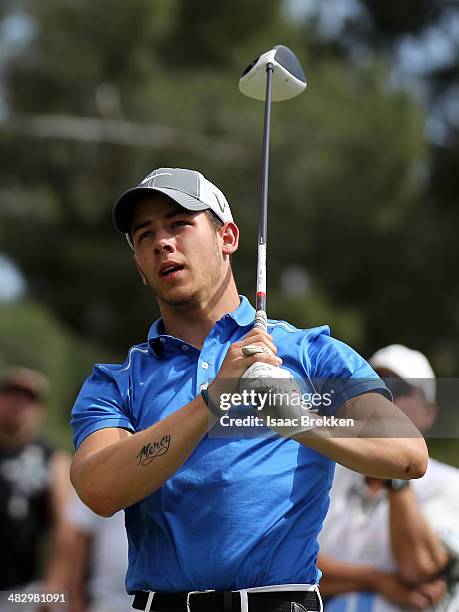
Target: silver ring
253	349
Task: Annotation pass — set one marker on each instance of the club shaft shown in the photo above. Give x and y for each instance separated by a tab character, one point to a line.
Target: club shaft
260	320
263	223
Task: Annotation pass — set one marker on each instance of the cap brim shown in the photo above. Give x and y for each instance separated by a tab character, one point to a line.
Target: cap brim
381	364
124	207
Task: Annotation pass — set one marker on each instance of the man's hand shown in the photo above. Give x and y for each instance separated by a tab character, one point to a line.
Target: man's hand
419	597
236	363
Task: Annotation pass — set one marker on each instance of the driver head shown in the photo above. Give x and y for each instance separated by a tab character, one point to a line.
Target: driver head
288	79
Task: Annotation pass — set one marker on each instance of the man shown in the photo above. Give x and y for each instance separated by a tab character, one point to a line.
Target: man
205	512
398	546
34	483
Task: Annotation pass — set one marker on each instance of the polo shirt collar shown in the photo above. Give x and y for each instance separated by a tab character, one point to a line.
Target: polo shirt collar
156	331
244	315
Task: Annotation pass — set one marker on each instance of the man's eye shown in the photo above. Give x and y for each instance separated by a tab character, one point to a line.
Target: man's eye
146	234
180	223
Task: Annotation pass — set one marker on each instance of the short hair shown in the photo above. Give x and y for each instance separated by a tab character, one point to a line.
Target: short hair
215	223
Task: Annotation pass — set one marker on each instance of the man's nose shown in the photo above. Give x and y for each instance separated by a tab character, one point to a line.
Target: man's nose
164	243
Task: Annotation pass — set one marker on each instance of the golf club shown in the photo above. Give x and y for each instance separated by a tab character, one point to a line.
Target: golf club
273	76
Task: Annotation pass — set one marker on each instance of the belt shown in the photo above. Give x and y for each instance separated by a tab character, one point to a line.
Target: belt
228	601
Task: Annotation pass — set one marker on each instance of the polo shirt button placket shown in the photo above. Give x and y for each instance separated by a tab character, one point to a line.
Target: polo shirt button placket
204	365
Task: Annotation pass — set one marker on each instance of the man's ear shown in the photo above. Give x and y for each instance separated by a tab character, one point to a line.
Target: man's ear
142	275
230	238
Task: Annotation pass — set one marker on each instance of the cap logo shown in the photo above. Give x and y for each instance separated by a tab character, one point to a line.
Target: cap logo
149	177
221	205
174	178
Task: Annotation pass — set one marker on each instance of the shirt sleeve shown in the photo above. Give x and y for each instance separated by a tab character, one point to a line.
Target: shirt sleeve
99	405
339	373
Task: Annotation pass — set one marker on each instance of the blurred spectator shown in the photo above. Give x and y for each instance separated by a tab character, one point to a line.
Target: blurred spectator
34	484
97	560
388	546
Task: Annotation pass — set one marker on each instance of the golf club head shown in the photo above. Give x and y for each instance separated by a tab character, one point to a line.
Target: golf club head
288	79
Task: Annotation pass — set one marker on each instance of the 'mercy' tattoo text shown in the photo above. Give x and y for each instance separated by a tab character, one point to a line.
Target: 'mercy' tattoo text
153	449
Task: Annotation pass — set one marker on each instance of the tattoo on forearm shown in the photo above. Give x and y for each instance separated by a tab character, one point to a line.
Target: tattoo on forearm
153	449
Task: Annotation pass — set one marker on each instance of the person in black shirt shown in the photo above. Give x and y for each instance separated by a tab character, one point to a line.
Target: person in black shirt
34	485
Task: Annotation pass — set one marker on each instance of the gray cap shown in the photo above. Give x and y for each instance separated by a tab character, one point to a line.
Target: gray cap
188	188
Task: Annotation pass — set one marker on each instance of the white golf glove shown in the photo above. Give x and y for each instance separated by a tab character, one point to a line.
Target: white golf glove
279	397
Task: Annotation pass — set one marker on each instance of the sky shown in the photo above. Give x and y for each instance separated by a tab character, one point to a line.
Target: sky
12	285
332	12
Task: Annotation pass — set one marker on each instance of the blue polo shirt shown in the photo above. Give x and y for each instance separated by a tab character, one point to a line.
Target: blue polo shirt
241	511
